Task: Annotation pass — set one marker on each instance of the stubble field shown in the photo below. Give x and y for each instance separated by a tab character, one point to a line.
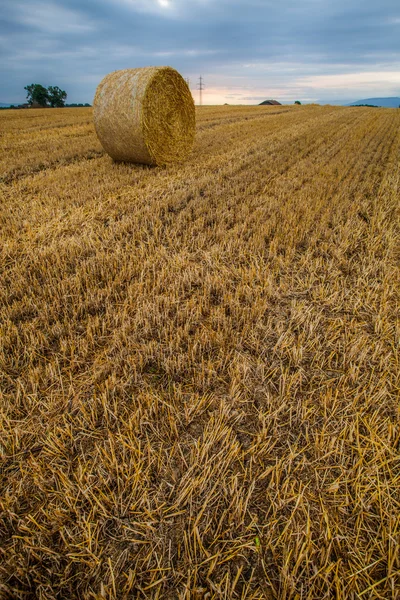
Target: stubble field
199	364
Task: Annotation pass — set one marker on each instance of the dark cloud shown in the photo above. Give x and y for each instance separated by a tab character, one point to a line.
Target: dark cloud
244	48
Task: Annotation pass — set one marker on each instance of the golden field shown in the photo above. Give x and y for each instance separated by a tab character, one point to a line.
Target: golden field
199	364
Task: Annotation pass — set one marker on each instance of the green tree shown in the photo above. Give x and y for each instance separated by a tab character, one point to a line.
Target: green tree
56	96
297	102
36	93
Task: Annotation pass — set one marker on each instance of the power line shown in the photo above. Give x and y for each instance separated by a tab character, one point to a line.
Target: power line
200	87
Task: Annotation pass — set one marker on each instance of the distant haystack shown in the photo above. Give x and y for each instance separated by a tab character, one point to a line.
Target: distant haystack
270	103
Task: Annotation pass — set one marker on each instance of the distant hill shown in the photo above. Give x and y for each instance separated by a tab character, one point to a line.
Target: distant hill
385	102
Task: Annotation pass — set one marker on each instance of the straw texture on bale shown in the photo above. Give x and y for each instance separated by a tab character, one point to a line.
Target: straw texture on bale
145	115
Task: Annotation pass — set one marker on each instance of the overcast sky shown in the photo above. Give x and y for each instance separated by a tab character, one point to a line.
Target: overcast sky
247	50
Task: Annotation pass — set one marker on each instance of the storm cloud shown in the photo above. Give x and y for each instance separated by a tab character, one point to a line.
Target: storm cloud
247	50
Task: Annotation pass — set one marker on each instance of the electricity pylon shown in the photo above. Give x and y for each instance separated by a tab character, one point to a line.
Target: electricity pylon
200	87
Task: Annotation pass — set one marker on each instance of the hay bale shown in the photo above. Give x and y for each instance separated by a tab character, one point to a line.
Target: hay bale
145	115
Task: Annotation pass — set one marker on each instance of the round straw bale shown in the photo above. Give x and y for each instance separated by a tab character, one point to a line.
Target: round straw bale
145	115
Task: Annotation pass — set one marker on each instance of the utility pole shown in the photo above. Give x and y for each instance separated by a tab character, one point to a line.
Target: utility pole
200	87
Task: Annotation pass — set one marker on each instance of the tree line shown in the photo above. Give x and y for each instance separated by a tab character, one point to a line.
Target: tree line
52	96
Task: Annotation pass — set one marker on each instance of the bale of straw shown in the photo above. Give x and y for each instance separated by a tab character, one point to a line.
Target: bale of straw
145	115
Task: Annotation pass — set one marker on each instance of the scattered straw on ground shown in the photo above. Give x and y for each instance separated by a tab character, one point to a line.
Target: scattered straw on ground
199	364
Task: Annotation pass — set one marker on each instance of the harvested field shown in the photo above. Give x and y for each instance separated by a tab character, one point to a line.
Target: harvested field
199	364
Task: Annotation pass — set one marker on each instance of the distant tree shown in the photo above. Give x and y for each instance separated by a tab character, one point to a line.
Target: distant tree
297	102
36	93
56	96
